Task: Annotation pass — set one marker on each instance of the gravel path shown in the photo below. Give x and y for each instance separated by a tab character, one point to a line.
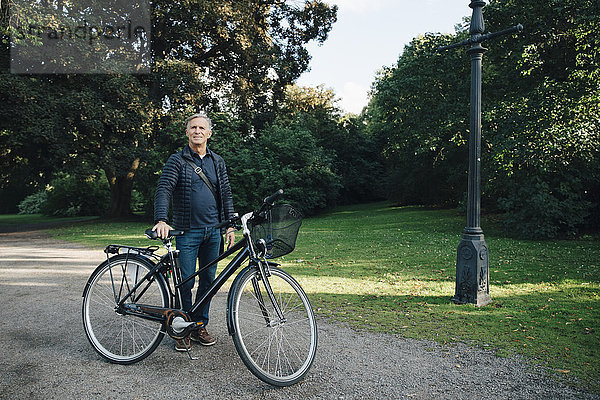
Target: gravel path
44	353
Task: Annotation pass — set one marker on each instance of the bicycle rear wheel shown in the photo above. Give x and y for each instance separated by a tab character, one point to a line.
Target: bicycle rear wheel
121	338
279	352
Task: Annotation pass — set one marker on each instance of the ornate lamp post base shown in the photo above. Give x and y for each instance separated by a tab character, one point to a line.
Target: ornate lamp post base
472	271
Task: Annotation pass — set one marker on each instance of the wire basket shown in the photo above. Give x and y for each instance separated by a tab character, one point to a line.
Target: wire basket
279	230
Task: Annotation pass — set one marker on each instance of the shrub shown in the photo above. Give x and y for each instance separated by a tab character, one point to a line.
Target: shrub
287	158
537	211
70	196
33	203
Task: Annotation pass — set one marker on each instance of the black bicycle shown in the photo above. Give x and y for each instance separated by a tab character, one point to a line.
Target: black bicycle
133	298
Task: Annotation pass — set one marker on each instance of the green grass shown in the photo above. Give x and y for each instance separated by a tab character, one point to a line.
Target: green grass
27	219
99	235
392	269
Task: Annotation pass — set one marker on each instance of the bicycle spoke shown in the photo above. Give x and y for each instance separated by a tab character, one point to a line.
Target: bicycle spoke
122	338
292	347
281	351
109	295
104	303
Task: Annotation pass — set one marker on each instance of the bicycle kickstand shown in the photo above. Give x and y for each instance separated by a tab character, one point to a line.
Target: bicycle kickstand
188	352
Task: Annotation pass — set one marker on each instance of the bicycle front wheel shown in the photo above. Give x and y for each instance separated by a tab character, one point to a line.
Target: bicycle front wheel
118	337
279	351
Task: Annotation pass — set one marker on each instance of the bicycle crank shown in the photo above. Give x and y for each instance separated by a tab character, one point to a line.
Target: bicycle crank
179	327
177	322
183	328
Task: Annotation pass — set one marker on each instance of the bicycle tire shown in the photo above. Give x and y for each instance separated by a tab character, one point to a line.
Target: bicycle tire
122	339
280	354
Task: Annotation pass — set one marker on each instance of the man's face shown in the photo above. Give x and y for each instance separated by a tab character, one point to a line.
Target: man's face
198	131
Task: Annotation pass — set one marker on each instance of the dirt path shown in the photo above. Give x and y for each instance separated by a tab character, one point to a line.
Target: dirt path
44	353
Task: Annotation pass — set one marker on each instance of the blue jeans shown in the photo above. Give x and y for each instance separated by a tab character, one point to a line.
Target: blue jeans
202	244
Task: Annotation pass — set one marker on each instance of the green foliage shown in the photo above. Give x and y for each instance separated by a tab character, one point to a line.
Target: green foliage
31	144
540	118
317	157
354	152
33	203
70	196
547	211
236	56
358	162
543	142
545	167
138	201
294	160
280	156
419	113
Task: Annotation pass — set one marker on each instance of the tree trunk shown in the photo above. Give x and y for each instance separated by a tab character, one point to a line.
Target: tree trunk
120	190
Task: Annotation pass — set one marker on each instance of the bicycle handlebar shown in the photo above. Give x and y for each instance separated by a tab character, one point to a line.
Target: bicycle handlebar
231	221
271	199
150	234
268	203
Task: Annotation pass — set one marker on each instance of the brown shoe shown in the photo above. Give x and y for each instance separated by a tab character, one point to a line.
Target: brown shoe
182	344
203	337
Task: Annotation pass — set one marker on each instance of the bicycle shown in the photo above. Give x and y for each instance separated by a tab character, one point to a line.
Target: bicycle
133	298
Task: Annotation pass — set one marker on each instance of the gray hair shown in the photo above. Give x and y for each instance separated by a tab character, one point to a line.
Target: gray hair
198	115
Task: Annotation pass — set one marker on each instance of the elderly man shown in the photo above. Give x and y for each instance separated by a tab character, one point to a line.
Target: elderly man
197	208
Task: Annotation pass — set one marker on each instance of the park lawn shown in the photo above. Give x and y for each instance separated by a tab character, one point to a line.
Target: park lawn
29	219
392	269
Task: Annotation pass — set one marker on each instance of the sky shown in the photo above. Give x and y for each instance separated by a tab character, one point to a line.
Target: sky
369	35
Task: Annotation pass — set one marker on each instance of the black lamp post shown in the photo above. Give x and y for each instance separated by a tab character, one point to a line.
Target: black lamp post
472	265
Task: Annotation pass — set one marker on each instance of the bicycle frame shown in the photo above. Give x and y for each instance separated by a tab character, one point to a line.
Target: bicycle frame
220	280
159	313
244	251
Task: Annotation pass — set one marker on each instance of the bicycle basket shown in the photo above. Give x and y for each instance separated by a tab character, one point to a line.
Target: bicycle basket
279	230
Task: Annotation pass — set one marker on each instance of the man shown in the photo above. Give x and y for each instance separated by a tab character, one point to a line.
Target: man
196	210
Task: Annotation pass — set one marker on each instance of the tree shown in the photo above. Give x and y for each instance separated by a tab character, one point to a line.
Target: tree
111	119
317	156
30	136
284	154
247	51
543	132
359	162
419	113
355	154
540	143
234	56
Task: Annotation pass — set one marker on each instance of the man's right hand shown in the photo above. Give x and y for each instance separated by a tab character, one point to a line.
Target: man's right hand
162	229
